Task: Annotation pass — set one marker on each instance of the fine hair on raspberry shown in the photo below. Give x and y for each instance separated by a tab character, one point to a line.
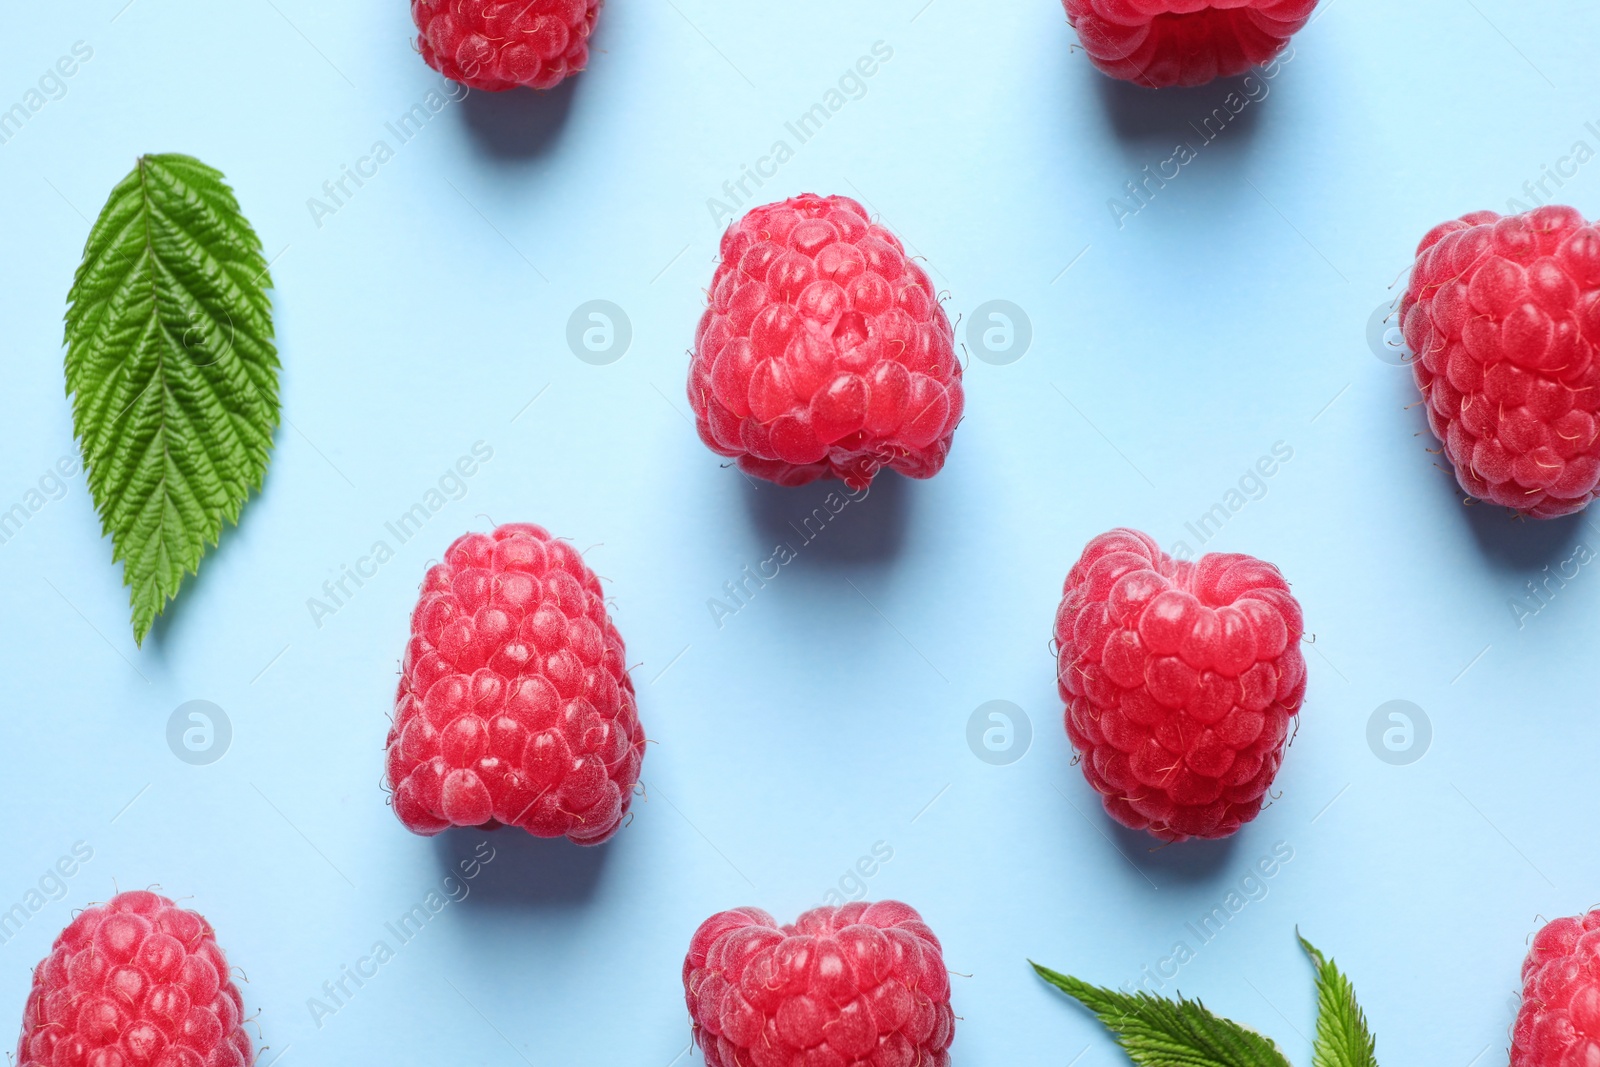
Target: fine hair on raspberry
1180	680
515	706
1502	317
135	981
825	352
494	45
1558	1022
861	984
1164	43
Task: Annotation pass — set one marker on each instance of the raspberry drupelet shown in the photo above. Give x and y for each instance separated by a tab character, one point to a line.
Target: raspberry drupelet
863	985
515	706
135	981
1180	679
825	352
1502	316
494	46
1162	43
1558	1024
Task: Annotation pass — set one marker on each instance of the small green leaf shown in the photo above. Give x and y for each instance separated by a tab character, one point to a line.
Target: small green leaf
1169	1033
172	371
1343	1039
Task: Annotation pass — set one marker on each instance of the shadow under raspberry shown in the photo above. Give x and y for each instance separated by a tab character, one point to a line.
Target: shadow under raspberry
519	124
830	523
1521	546
524	871
1185	862
1200	117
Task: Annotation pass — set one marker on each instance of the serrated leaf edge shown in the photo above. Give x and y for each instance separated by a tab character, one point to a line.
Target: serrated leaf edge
247	424
1340	1041
1174	1054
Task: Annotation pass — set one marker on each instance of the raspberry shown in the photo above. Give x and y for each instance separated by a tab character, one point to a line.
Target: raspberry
1503	315
515	706
1180	680
1159	43
825	352
863	985
1559	1022
136	981
497	46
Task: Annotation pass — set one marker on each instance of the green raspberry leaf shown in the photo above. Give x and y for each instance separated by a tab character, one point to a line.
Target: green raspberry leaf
1343	1039
1169	1033
172	371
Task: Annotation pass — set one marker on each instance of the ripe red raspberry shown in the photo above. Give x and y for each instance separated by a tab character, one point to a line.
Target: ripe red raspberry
1159	43
515	705
1180	679
825	352
862	985
1503	316
495	46
1558	1024
137	981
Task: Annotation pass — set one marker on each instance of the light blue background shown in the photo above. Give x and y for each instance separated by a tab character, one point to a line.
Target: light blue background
830	713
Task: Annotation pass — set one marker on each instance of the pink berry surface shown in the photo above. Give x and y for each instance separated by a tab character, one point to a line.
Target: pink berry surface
514	707
1558	1022
137	980
1163	43
825	352
1502	316
1181	680
857	984
495	45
